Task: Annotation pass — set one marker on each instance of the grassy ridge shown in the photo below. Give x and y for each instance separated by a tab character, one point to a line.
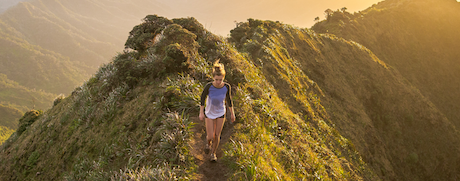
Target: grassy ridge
418	38
353	91
120	119
130	120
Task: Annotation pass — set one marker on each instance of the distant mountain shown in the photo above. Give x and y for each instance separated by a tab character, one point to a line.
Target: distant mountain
8	116
28	73
22	98
37	68
90	32
417	37
53	46
15	100
5	4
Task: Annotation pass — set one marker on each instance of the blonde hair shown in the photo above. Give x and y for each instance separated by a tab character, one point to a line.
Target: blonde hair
218	69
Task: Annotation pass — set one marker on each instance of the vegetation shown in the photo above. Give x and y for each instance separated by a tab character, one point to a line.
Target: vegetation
16	99
5	133
36	68
309	107
51	47
131	119
418	38
121	119
343	84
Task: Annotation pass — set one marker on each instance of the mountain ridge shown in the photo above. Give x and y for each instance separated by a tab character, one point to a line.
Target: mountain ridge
54	46
419	43
368	101
309	106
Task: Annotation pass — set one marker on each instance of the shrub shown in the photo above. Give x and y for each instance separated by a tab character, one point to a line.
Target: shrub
141	34
28	119
174	144
191	24
58	99
182	94
175	60
32	159
161	172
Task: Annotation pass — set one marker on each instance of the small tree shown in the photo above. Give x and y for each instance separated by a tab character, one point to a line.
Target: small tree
344	9
317	19
328	13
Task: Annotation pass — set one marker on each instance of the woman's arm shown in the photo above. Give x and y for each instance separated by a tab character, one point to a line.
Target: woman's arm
201	116
232	114
203	99
230	102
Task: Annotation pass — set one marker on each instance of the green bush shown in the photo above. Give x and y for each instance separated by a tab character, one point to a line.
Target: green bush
141	34
32	160
58	99
28	119
175	60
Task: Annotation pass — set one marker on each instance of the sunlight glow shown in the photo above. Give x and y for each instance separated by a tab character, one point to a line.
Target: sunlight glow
219	16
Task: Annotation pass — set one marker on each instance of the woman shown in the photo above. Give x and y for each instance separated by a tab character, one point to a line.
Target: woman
215	94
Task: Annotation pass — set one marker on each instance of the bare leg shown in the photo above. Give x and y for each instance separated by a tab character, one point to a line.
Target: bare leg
219	124
209	130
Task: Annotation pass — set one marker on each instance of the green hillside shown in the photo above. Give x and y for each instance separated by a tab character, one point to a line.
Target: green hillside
8	120
9	114
53	46
22	98
37	68
5	133
29	73
419	38
366	100
309	106
89	32
15	100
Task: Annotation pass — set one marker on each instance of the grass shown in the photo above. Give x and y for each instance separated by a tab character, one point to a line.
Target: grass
387	29
131	119
5	133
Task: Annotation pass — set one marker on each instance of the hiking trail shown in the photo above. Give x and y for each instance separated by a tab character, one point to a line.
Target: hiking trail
209	170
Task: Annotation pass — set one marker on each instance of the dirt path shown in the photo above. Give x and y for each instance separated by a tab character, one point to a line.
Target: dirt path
208	170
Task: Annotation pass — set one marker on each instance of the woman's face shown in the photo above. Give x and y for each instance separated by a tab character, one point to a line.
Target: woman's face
218	80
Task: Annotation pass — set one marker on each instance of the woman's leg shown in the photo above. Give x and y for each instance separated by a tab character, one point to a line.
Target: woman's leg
209	130
219	124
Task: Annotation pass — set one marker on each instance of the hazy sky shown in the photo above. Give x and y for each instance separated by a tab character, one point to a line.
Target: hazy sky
219	15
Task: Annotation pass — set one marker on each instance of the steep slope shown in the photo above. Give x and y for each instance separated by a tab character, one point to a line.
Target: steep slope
55	45
89	31
7	121
37	68
131	119
417	37
28	73
21	98
5	133
399	133
15	100
9	114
